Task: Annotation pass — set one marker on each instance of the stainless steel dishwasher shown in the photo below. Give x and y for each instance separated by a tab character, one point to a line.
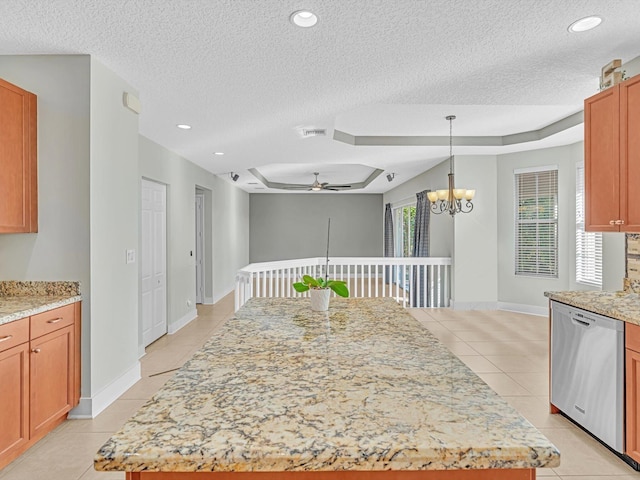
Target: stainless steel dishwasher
587	371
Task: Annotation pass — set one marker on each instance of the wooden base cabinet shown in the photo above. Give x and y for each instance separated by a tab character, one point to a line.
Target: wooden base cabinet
632	379
39	377
14	401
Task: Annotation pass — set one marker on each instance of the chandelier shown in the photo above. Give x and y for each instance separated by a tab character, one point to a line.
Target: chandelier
452	200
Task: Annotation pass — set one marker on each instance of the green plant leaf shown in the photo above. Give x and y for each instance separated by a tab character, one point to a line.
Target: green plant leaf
310	281
300	287
339	287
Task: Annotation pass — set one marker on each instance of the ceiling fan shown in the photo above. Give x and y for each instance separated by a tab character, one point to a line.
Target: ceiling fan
316	186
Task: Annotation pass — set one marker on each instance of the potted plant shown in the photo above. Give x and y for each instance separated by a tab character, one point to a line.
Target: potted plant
320	288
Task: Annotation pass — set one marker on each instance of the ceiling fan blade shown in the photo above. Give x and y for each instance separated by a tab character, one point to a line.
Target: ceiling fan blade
295	187
340	186
334	189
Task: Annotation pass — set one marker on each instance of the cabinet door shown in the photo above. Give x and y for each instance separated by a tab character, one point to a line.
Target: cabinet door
601	161
630	154
52	379
18	157
14	402
632	407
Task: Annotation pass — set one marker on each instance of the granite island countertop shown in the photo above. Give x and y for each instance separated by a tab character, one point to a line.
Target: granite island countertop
362	387
23	299
623	305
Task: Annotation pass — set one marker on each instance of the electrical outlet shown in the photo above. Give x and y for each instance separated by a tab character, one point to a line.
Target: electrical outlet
131	256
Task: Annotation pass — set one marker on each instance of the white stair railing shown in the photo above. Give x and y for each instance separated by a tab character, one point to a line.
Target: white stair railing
421	282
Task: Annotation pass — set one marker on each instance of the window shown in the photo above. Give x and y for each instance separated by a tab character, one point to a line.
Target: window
588	244
404	223
536	235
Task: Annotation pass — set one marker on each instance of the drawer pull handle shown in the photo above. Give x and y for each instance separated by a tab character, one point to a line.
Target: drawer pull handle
5	338
35	350
612	222
620	222
54	320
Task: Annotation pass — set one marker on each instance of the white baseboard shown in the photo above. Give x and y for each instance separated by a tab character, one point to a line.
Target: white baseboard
522	308
217	298
181	322
90	407
474	305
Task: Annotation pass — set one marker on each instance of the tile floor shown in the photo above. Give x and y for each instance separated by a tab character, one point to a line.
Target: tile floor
508	350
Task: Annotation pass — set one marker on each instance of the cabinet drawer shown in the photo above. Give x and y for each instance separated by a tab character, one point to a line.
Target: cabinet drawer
46	322
632	337
14	333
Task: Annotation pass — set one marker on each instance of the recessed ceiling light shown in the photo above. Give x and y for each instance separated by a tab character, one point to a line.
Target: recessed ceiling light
584	24
183	126
218	153
304	18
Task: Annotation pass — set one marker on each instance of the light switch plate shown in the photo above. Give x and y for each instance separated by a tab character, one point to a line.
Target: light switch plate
131	256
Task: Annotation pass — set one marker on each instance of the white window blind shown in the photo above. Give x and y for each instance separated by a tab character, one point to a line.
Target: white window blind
536	236
588	244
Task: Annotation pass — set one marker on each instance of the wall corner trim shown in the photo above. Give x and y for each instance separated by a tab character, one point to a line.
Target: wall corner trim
90	407
183	321
522	308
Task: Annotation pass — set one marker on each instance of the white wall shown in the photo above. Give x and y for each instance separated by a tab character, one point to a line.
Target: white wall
521	290
441	232
286	226
227	219
114	196
87	195
60	249
475	255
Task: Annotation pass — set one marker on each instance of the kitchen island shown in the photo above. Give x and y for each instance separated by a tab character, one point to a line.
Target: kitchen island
361	391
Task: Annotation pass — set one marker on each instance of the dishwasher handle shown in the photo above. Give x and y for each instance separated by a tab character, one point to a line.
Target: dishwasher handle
582	321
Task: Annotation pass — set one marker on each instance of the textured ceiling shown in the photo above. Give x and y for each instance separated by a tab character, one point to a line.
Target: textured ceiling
245	77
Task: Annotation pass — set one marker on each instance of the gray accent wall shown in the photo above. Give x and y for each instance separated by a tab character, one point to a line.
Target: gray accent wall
287	226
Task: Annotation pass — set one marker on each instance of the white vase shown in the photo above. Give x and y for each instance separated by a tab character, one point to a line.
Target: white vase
320	299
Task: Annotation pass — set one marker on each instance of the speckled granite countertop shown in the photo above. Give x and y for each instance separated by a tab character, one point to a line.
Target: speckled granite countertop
23	299
623	305
364	387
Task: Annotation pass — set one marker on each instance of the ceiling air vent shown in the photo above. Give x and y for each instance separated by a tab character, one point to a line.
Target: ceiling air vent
307	132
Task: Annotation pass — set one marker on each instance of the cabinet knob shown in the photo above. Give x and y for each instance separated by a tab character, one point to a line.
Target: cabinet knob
612	222
620	222
35	350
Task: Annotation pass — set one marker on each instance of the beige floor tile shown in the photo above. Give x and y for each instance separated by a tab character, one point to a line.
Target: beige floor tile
535	383
502	384
109	420
536	410
479	364
546	473
59	456
146	387
601	477
519	363
459	348
420	314
91	474
580	454
441	333
509	348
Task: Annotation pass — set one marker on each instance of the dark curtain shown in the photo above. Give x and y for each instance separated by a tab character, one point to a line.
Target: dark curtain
388	238
421	247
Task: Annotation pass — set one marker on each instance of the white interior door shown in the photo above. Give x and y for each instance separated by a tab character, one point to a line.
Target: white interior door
153	263
199	248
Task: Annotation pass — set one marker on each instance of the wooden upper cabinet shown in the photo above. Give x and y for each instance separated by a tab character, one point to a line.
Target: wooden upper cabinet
630	154
612	158
18	160
601	160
